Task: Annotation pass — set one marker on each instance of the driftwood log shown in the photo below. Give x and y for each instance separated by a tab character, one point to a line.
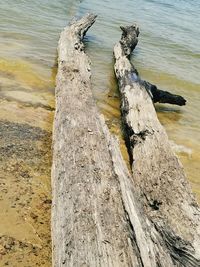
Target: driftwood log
100	213
158	176
89	222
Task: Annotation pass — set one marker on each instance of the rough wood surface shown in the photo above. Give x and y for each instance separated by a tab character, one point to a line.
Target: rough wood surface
89	221
158	176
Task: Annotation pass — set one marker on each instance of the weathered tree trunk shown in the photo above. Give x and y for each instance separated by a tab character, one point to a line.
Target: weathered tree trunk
157	174
90	226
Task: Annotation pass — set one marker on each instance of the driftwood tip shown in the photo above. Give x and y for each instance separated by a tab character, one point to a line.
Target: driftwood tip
128	29
90	17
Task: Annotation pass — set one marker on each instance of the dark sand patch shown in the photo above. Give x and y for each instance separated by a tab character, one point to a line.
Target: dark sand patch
25	195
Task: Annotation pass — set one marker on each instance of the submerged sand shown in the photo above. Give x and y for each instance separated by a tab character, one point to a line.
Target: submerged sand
25	166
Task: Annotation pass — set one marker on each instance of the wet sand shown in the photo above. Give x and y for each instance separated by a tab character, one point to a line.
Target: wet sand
25	165
25	197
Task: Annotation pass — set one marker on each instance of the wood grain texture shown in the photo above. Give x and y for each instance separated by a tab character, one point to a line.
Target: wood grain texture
158	176
89	223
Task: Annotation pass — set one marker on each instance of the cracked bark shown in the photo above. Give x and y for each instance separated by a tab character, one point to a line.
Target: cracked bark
158	176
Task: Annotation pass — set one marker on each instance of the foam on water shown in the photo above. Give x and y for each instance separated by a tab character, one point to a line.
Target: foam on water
181	149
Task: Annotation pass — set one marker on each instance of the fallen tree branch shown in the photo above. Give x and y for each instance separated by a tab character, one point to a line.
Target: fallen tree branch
158	176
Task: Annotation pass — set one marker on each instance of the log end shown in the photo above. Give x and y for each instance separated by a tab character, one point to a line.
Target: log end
129	38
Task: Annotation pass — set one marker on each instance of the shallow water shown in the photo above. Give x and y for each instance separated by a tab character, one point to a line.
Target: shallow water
168	55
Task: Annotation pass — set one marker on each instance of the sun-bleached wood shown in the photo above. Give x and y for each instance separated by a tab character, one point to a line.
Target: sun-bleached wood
89	221
158	177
